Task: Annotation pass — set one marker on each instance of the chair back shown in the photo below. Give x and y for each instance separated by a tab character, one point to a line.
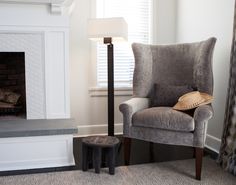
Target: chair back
176	64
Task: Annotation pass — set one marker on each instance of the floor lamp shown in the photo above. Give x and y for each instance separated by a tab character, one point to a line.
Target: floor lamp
108	31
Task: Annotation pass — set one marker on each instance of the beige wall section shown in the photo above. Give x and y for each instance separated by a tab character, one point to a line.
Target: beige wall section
79	62
89	111
197	20
164	21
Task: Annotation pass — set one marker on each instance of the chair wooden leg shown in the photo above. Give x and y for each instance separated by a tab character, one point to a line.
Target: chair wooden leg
151	152
198	162
127	146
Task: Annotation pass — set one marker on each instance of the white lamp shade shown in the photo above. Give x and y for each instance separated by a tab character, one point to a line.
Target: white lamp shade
116	28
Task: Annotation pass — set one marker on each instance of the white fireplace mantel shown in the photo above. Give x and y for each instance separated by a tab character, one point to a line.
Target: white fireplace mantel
56	6
31	26
44	38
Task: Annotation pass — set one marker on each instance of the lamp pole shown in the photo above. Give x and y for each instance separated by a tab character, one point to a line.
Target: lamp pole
110	80
109	29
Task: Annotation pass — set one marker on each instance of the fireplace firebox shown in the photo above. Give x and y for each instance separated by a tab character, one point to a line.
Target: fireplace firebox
12	85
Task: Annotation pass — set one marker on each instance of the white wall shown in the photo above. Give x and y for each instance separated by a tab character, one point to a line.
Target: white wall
90	112
164	21
79	62
197	20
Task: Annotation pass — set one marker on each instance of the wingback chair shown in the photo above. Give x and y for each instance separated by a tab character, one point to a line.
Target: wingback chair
188	64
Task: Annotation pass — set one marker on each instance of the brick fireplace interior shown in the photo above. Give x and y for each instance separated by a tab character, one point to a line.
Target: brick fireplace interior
12	85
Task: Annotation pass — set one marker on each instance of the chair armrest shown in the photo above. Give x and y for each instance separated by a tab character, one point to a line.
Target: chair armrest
133	105
201	116
204	112
129	107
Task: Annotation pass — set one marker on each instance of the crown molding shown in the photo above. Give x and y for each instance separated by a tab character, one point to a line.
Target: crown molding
56	6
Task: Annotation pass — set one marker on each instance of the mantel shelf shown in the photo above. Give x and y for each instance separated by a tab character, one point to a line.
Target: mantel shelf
57	6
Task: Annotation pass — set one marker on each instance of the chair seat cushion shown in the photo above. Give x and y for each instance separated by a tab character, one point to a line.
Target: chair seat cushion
163	118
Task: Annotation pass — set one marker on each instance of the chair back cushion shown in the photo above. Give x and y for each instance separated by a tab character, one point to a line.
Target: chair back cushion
188	64
168	95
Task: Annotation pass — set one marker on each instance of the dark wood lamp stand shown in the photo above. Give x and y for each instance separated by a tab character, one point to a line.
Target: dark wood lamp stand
109	30
110	81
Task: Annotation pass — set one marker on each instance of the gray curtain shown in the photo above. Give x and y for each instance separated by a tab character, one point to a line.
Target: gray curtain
227	156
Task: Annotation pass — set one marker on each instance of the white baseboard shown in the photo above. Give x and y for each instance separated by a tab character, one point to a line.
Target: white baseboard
213	143
88	130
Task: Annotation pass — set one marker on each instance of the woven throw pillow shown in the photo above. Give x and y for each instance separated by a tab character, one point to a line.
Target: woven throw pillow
168	95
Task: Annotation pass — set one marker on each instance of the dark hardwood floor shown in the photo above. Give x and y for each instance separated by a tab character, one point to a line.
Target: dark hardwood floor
140	153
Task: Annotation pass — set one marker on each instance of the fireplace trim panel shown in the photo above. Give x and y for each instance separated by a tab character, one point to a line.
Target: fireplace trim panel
56	6
53	46
34	68
46	60
36	152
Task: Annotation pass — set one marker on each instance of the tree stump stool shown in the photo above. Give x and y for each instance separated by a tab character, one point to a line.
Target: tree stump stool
97	145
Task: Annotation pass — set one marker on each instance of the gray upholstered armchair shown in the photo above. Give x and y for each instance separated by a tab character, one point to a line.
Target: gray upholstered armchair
188	64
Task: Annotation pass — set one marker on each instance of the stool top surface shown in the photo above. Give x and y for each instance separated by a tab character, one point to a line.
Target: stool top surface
102	141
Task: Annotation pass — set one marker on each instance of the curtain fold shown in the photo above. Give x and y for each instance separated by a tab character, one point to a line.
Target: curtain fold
227	155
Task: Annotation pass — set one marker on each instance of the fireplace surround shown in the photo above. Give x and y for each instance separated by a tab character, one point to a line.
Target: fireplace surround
40	30
43	38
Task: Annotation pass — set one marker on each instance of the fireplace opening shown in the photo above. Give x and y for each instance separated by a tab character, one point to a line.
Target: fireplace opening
12	85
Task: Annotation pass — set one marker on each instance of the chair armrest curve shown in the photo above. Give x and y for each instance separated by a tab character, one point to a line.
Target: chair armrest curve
201	116
133	105
203	113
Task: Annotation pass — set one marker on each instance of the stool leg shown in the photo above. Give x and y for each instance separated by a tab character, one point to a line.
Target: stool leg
112	160
84	157
97	154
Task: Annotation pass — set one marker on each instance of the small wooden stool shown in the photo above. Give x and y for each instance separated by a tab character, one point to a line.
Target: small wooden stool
96	144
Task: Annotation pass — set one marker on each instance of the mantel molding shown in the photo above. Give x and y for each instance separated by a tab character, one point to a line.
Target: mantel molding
57	6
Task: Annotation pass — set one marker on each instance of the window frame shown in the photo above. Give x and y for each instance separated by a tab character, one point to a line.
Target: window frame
95	89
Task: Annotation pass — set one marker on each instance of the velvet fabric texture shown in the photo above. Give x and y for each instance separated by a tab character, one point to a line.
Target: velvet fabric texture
163	118
177	64
188	64
227	156
168	95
